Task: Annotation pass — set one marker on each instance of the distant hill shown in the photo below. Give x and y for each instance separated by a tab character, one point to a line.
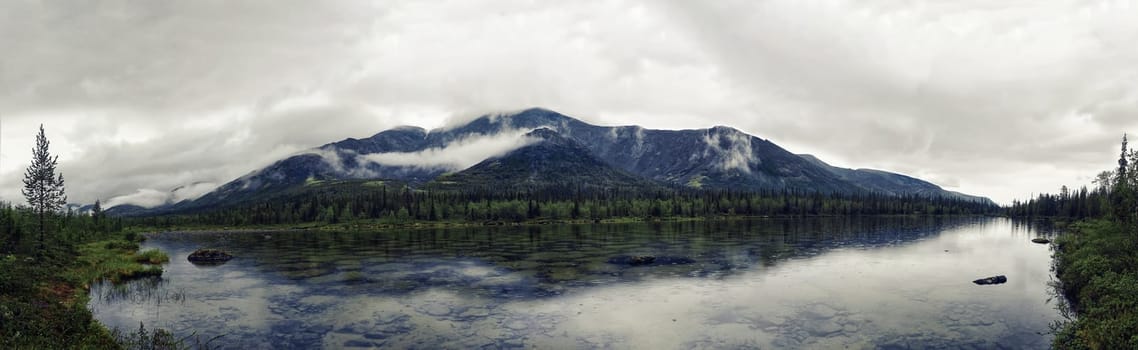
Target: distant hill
891	183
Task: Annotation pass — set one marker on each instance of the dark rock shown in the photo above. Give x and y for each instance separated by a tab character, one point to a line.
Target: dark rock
358	344
1041	240
992	280
287	327
645	260
641	260
209	256
673	260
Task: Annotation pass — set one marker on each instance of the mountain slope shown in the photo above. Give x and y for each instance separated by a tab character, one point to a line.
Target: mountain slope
549	160
891	183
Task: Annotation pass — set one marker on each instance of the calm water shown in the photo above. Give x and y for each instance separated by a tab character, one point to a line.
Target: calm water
769	283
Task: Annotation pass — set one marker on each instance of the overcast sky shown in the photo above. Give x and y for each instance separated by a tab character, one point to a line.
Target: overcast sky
996	98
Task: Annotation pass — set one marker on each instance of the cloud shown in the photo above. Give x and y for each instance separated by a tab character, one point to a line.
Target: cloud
192	191
146	198
737	155
1002	98
149	198
456	155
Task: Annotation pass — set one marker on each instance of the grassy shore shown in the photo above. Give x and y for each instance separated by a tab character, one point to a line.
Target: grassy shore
43	303
1097	266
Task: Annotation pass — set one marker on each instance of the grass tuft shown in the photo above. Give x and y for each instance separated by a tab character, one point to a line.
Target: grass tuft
151	256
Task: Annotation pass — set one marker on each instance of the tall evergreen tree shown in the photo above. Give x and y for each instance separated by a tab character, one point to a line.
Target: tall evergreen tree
1122	162
43	188
97	214
1122	195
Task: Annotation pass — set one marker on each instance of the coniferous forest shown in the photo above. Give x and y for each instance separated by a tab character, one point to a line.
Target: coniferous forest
334	202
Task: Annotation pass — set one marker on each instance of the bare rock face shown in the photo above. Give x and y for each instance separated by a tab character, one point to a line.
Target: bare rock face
209	257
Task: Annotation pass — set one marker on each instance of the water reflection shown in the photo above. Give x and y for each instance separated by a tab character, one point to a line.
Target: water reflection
833	282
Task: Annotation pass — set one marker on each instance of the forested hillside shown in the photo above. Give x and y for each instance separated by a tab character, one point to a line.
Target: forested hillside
392	202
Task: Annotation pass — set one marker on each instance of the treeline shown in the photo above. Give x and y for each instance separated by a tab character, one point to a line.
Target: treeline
20	228
1113	196
403	204
1079	204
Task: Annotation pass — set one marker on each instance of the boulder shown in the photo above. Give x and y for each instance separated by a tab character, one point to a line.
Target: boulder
209	256
992	280
1041	240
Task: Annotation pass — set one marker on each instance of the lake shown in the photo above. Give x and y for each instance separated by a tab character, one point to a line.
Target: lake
866	282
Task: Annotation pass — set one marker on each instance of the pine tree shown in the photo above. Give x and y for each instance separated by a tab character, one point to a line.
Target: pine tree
43	188
1122	162
97	212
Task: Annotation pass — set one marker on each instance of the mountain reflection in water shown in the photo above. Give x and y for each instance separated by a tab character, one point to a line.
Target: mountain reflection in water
782	283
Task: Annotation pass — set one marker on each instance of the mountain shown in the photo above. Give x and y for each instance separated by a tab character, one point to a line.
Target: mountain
548	159
539	147
891	183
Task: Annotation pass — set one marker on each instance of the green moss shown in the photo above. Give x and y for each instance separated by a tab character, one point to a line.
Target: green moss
120	245
108	260
44	298
1097	265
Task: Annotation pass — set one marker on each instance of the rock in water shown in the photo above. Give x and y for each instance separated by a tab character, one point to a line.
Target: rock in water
992	280
1041	240
649	260
209	256
642	260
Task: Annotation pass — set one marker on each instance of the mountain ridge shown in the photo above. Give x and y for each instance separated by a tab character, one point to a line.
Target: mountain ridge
716	158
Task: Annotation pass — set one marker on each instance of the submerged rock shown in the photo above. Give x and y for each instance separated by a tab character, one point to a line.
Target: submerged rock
209	256
636	260
1041	240
820	311
822	328
992	280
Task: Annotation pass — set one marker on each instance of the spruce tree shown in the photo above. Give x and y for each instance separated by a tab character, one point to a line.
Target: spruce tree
43	188
97	215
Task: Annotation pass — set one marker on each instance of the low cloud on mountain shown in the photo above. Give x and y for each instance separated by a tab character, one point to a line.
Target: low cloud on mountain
457	155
